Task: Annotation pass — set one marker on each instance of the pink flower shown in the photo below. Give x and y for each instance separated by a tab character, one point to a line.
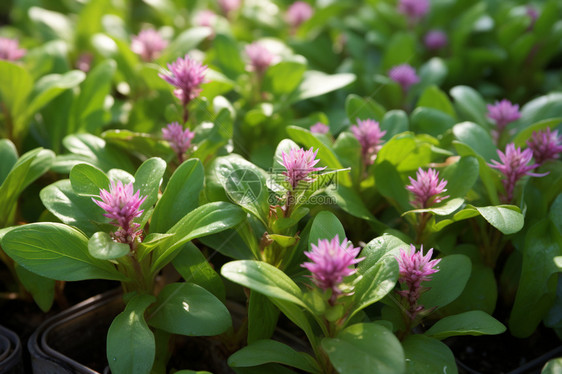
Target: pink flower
533	15
205	18
84	62
426	188
228	6
415	268
9	50
369	135
148	44
298	13
331	263
260	57
404	75
319	128
179	139
435	39
546	145
414	9
186	75
503	113
514	165
122	206
299	164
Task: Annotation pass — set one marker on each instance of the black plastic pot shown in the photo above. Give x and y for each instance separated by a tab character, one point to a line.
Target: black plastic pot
10	352
73	341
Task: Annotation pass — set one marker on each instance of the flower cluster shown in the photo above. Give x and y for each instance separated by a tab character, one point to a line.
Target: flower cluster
369	135
426	188
514	165
331	262
405	75
10	50
186	75
178	137
435	39
319	128
148	44
298	13
260	57
413	9
546	145
122	206
503	113
228	6
415	268
299	164
205	18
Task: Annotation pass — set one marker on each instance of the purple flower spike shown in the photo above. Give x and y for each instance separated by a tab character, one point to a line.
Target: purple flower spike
503	113
122	206
298	13
514	166
9	50
148	44
370	136
435	39
414	9
415	268
319	128
299	164
404	75
331	263
186	75
228	6
260	57
533	15
546	145
179	139
426	188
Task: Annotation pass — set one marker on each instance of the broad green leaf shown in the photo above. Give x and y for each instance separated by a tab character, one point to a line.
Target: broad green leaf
461	176
347	199
365	348
390	184
433	97
431	121
474	322
185	42
188	309
194	268
205	220
428	355
553	366
526	133
42	289
363	108
537	285
284	77
505	218
262	317
401	48
228	56
102	246
130	343
394	122
263	278
325	226
51	25
470	105
180	197
542	108
15	87
433	72
87	180
9	156
267	351
148	179
448	283
316	83
476	138
56	251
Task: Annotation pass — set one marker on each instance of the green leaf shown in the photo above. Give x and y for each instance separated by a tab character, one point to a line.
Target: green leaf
180	197
400	49
56	251
448	283
428	355
363	108
42	289
51	25
148	179
553	366
9	156
475	322
505	218
205	220
87	180
431	121
131	345
263	278
325	226
15	87
470	104
316	83
268	351
283	78
390	185
461	176
526	133
262	317
185	42
228	56
433	97
537	285
365	348
103	247
188	309
476	138
394	122
194	268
